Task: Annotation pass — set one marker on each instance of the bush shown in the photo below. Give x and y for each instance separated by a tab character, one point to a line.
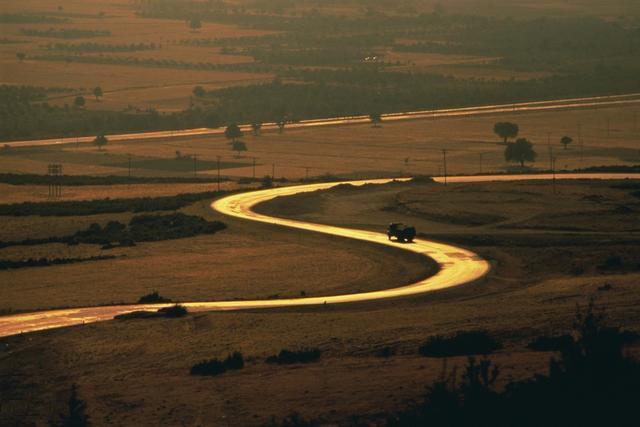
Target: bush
215	367
556	343
611	263
153	298
287	357
460	344
176	310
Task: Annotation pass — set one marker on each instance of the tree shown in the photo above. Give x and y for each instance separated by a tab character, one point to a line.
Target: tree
566	140
238	146
199	91
195	23
376	119
79	101
255	127
281	122
506	130
100	141
520	151
232	132
21	56
97	92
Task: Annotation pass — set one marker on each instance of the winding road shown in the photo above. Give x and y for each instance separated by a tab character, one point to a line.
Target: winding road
457	266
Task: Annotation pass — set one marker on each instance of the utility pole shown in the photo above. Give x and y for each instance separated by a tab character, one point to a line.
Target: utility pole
550	150
254	168
195	160
608	126
444	159
273	171
129	158
307	175
481	162
553	169
218	172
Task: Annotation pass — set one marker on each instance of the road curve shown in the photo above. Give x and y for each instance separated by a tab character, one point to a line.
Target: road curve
457	266
519	107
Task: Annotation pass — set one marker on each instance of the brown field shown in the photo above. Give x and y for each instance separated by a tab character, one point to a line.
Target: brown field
604	136
136	371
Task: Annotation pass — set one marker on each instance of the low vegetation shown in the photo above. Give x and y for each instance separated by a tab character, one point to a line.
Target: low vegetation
94	207
175	310
460	344
288	357
82	180
6	264
153	298
215	367
141	228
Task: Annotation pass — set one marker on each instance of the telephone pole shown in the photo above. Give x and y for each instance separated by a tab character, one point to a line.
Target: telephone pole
218	172
273	171
444	160
129	158
254	169
195	160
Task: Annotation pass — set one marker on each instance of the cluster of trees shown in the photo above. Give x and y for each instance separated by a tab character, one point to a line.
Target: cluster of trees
102	47
93	207
27	18
159	63
6	264
69	33
521	150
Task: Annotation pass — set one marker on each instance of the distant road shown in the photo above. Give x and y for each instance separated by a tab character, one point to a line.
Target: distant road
561	104
457	266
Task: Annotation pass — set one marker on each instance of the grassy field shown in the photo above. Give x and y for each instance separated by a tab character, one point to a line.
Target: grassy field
605	136
143	376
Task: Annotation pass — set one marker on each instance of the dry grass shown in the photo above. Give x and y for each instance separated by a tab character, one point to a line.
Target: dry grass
143	377
363	150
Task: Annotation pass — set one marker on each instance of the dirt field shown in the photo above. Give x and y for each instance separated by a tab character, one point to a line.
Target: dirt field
533	289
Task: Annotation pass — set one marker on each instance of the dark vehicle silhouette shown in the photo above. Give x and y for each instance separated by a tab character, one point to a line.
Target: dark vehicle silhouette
401	232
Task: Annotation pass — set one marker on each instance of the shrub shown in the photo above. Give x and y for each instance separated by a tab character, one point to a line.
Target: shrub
611	263
153	298
76	416
556	343
175	310
215	367
460	344
287	357
211	367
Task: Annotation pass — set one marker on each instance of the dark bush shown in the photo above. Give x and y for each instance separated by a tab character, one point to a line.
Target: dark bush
287	357
176	310
214	367
555	343
234	361
386	352
611	263
208	367
460	344
153	298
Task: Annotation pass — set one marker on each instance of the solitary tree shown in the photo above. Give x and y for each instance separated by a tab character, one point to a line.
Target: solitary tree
79	101
238	147
281	122
506	130
232	132
97	92
376	119
566	140
255	127
520	151
21	56
100	141
198	91
76	416
195	24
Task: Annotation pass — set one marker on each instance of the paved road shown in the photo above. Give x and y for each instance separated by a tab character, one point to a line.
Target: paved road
457	266
561	104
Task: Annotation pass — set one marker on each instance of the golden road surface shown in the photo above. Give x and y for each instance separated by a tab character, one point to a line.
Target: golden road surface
559	104
457	266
